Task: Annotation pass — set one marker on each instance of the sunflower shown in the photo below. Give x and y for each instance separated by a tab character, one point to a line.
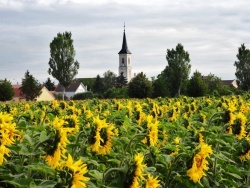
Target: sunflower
228	117
102	138
27	107
175	152
200	164
152	130
135	183
152	182
138	159
72	121
139	116
8	133
238	128
156	111
164	137
54	104
76	171
177	140
173	114
202	118
245	156
137	170
57	145
201	140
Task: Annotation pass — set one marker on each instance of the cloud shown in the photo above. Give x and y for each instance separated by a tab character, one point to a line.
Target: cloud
210	31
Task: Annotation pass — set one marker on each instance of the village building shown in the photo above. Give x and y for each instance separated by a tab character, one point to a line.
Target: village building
74	88
125	59
45	95
232	83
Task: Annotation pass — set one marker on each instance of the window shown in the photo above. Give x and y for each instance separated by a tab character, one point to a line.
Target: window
122	60
128	60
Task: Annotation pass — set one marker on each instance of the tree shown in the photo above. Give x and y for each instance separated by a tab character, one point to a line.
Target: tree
49	85
6	90
31	88
178	69
109	79
63	67
121	81
197	87
98	85
160	88
214	83
243	67
89	82
140	87
118	93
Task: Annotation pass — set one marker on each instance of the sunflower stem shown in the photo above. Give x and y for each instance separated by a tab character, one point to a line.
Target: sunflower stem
211	118
77	140
109	171
136	135
78	137
216	147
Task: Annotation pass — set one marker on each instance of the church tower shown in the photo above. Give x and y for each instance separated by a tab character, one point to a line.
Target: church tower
125	59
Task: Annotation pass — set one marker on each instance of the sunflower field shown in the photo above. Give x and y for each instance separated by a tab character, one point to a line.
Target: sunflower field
126	143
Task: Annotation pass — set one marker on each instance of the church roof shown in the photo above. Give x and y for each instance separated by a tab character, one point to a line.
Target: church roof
124	49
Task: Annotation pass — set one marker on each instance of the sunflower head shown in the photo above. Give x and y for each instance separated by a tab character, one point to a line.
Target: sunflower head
74	173
72	122
152	182
238	128
51	144
228	117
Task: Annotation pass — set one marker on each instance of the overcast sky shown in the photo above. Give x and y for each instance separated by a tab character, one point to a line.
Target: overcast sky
211	31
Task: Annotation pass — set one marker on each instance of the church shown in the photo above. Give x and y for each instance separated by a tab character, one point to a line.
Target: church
124	66
125	59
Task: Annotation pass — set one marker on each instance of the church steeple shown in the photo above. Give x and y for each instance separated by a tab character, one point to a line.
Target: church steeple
125	59
124	49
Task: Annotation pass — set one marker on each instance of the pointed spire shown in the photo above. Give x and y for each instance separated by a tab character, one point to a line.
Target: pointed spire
124	49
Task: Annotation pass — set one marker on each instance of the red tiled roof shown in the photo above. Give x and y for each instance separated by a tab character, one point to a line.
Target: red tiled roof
17	91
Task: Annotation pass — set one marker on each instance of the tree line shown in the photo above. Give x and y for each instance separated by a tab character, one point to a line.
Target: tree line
173	81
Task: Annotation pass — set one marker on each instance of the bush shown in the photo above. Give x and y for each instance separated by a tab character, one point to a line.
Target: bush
118	93
85	95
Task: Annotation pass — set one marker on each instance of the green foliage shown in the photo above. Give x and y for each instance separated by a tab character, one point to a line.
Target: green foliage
109	79
62	65
213	82
98	86
197	87
85	95
243	67
121	81
60	96
6	90
179	127
49	84
89	82
160	87
30	88
140	87
177	70
118	93
225	90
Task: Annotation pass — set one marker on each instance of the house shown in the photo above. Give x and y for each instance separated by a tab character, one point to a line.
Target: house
18	97
44	96
74	88
230	83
